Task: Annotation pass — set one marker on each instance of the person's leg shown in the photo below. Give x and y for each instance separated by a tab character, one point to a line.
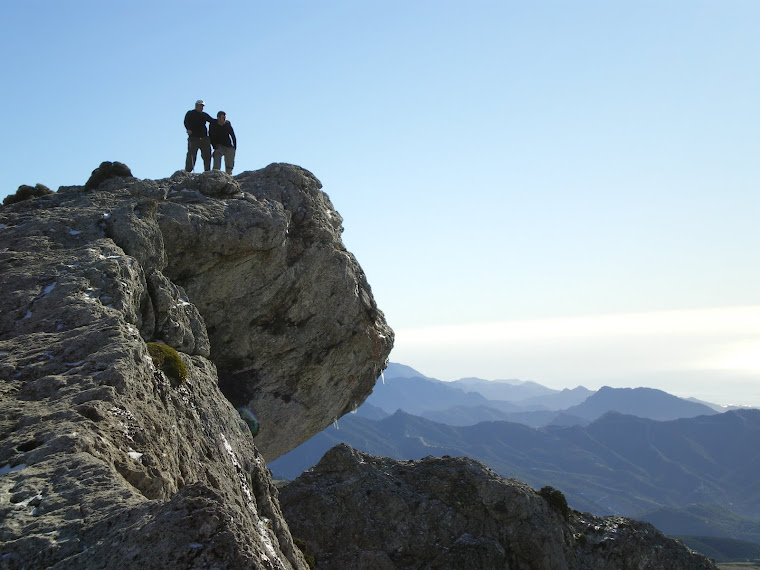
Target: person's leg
229	159
217	154
192	154
206	153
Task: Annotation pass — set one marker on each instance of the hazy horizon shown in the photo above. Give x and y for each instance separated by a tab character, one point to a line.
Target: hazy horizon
710	355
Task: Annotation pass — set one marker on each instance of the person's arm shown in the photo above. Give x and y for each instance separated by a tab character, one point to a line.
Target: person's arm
232	134
187	122
212	134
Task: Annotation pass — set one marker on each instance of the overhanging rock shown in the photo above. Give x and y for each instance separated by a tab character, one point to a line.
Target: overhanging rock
294	330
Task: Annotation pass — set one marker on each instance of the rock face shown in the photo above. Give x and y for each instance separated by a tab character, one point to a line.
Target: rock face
295	333
105	461
359	511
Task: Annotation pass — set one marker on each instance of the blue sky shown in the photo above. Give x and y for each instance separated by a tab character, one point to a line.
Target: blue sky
496	162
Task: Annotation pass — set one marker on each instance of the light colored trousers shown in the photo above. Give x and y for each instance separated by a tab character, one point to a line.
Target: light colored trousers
228	152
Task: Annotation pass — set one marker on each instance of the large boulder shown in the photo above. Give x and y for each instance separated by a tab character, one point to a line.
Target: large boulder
295	333
359	511
107	459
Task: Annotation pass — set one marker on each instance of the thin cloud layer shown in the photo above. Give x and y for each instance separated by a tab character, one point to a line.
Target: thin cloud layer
700	353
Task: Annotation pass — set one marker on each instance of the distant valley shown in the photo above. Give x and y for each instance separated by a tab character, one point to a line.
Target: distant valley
634	452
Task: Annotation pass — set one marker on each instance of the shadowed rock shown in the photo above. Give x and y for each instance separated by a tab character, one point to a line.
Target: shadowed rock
355	510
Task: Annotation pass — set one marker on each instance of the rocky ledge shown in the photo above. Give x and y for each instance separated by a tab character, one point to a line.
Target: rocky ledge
358	511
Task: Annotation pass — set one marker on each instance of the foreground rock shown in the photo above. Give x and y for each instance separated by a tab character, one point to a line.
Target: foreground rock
359	511
107	458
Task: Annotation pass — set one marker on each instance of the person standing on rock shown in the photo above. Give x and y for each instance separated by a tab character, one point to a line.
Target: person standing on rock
197	137
224	142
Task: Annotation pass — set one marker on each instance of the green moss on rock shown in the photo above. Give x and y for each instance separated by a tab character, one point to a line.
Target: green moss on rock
168	360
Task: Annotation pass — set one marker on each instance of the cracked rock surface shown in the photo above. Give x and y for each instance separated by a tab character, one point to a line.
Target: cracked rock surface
106	462
356	510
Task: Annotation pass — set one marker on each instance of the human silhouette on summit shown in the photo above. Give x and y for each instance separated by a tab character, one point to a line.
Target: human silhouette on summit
197	136
224	142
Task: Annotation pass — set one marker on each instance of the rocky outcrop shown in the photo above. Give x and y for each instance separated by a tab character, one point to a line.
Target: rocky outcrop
294	331
107	462
359	511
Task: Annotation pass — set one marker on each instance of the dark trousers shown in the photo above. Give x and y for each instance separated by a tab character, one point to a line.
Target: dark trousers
193	144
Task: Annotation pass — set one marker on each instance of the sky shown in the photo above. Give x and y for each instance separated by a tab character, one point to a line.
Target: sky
561	192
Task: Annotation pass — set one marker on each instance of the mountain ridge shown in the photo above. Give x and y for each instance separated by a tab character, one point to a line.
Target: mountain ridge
618	464
470	400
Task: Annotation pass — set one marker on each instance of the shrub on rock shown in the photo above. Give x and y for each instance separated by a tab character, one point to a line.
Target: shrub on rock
105	171
26	192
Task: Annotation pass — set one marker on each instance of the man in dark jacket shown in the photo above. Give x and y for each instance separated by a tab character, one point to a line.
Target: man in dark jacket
224	142
197	137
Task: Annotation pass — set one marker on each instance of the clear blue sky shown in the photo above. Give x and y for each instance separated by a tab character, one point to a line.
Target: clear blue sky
494	161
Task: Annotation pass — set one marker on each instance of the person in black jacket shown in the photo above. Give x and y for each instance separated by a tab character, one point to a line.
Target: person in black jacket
224	142
197	137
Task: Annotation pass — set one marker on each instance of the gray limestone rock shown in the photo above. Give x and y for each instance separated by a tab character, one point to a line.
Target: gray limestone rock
355	510
294	330
105	462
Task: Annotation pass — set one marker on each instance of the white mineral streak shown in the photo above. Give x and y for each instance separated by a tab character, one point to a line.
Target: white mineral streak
241	473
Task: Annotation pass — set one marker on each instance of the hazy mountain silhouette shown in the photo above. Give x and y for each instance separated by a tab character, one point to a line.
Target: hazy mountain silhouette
469	401
618	464
717	407
396	370
557	400
468	415
509	390
417	394
372	412
642	402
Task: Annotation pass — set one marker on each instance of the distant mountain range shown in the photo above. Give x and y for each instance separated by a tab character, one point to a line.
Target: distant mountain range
635	452
471	400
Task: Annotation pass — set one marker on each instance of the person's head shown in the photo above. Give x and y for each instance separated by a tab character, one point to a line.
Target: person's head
199	104
221	116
